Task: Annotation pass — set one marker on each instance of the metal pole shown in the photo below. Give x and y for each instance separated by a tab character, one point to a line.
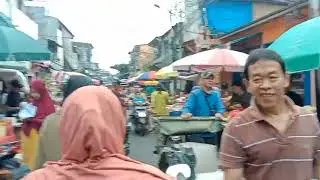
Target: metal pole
314	11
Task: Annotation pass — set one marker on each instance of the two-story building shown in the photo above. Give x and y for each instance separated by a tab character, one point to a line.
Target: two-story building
55	35
83	52
168	47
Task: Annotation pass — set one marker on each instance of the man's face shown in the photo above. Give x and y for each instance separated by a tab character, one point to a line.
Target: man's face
208	82
137	90
267	83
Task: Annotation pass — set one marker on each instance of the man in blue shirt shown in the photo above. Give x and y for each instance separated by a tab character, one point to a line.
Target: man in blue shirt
204	101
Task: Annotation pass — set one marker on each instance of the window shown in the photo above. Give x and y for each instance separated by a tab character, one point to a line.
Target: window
20	4
74	49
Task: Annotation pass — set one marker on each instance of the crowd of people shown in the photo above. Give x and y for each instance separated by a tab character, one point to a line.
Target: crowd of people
270	135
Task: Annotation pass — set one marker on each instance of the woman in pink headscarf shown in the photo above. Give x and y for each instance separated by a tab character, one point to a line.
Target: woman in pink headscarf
30	128
93	130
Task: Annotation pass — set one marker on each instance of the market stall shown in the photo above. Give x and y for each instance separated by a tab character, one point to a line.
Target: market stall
227	65
15	45
149	83
147	76
166	73
215	60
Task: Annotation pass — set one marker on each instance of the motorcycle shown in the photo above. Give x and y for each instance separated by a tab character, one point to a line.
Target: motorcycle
140	117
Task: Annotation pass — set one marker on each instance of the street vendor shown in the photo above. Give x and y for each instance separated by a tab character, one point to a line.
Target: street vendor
204	101
159	102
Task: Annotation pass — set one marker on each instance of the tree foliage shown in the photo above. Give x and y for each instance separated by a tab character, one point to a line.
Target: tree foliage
123	70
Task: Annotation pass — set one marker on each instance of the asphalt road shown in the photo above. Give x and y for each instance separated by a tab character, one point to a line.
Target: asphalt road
141	148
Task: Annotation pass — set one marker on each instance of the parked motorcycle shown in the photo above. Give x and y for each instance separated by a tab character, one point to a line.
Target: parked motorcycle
140	117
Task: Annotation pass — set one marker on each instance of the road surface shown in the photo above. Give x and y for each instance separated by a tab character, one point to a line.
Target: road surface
141	148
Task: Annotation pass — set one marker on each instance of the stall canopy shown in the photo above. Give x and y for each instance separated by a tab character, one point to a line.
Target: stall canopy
166	73
149	83
299	46
18	46
215	59
23	66
147	76
134	79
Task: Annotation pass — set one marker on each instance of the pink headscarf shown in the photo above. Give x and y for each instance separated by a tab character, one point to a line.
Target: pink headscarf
45	107
93	129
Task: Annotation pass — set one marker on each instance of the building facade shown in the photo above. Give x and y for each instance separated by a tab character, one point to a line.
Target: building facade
13	9
54	35
142	57
225	16
83	52
168	47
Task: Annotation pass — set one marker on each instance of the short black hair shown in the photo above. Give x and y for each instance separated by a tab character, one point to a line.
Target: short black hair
265	55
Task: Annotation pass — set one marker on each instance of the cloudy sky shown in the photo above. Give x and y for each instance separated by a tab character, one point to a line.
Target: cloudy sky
113	26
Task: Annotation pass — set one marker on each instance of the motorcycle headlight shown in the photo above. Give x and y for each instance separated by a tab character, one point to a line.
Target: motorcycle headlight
142	114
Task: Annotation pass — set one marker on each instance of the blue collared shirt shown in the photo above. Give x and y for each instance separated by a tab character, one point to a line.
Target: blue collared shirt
201	103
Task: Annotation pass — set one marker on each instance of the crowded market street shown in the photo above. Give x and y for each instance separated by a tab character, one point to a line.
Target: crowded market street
159	90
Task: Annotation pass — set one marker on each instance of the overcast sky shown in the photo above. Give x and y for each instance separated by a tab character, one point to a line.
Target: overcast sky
113	26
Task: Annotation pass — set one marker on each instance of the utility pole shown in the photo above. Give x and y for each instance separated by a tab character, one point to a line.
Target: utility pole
314	11
178	30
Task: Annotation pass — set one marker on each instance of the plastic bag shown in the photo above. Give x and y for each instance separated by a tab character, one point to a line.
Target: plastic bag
27	111
177	154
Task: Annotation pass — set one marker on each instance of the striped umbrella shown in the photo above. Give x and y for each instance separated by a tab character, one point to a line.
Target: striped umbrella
149	83
147	76
166	73
215	59
134	79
